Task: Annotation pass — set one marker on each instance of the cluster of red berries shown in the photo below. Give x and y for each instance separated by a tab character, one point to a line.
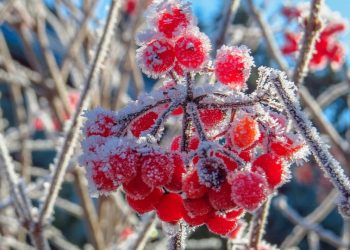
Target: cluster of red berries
327	48
226	161
174	44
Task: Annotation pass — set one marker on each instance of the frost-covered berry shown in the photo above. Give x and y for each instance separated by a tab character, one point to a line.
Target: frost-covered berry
156	58
102	178
211	117
212	172
146	204
287	146
220	225
272	167
143	123
197	207
172	21
195	220
192	50
230	164
221	199
99	122
233	65
124	162
175	184
170	207
244	131
137	189
176	143
157	169
192	187
249	190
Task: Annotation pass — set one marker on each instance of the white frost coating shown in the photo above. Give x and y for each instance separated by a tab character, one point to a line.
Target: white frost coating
241	51
319	150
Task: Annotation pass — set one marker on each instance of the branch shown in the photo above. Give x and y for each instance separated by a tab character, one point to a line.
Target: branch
312	32
73	132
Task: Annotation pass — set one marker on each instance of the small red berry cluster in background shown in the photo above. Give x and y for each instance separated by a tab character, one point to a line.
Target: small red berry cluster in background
327	48
233	150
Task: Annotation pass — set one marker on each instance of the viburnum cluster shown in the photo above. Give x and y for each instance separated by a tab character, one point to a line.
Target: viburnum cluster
328	49
232	151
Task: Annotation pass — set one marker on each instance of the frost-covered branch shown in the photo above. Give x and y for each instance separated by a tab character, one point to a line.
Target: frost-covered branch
326	161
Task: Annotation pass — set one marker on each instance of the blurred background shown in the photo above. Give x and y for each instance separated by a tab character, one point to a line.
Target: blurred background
45	50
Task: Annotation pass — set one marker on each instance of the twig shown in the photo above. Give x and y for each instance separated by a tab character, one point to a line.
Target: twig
316	216
257	225
321	154
73	132
312	32
293	216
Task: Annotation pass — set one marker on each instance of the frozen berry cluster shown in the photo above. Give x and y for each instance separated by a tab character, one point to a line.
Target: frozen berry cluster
328	49
233	149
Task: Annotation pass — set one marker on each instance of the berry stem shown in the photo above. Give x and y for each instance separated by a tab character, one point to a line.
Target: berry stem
176	242
321	154
257	225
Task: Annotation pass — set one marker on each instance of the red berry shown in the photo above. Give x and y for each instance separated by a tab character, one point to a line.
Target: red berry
172	21
192	50
230	164
244	132
137	188
249	190
272	167
143	123
233	65
176	143
220	225
175	185
196	220
291	12
211	118
212	172
156	58
179	70
147	204
102	179
124	163
234	214
197	207
191	186
221	199
286	147
170	207
100	122
157	169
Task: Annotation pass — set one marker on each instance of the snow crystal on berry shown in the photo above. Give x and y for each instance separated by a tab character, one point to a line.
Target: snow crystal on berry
233	66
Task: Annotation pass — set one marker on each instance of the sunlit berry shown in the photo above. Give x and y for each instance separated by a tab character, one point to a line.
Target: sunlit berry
143	123
192	50
233	66
244	132
156	57
157	169
170	208
249	190
172	21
